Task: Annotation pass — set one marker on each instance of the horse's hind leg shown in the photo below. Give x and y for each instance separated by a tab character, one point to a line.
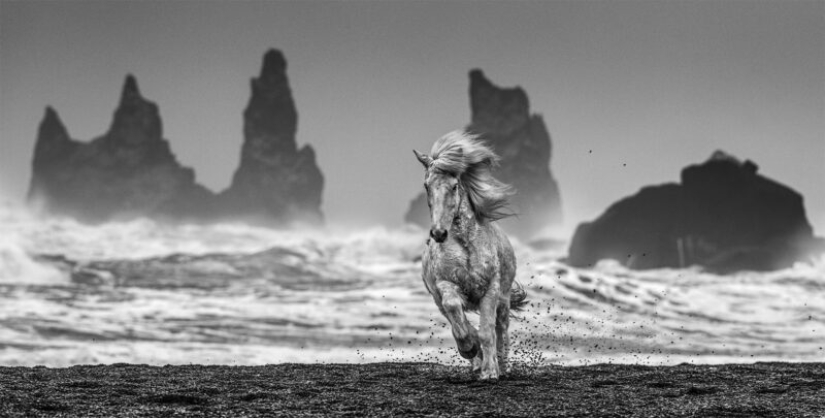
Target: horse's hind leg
502	332
452	306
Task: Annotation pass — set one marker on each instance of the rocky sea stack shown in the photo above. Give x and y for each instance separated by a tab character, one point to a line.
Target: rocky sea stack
502	117
275	179
723	216
131	172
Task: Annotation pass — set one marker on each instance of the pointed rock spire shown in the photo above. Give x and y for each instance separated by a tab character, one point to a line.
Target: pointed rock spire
275	179
51	114
274	64
495	109
51	128
270	117
478	78
52	149
136	119
130	90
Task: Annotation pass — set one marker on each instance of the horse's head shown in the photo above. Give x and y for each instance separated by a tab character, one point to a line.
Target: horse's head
443	197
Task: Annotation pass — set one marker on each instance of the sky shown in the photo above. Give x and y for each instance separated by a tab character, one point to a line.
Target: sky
631	91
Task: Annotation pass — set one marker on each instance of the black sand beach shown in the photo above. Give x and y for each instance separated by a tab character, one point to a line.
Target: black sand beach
415	389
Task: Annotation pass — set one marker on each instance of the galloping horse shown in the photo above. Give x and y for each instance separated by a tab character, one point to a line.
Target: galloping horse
469	263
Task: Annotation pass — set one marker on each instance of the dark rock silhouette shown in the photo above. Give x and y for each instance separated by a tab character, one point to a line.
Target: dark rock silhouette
274	176
723	216
131	172
502	117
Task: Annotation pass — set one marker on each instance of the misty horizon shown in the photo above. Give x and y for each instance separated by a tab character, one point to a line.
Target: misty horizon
631	93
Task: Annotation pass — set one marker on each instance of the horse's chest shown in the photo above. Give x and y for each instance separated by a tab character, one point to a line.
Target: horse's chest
454	264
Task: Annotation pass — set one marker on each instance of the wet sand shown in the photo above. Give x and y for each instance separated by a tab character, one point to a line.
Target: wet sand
414	389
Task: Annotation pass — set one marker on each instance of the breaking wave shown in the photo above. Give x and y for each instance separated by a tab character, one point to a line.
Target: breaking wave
144	292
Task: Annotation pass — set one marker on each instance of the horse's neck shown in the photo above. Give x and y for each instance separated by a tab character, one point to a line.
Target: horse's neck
465	227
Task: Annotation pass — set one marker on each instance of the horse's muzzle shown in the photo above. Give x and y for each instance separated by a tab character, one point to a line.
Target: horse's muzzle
439	235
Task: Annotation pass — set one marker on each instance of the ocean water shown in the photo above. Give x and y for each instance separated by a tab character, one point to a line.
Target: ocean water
141	292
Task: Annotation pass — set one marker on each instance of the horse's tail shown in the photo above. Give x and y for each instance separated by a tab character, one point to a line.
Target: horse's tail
518	297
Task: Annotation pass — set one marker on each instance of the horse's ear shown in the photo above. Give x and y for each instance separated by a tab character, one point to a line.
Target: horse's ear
424	158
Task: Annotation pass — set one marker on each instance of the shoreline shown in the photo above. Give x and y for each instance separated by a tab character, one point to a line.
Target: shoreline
414	389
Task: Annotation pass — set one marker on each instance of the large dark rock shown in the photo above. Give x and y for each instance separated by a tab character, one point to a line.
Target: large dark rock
723	216
275	179
131	172
128	172
502	117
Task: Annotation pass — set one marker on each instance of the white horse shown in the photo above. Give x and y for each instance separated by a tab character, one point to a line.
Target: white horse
469	263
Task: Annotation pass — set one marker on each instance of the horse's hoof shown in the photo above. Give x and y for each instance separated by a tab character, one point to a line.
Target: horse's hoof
471	353
489	376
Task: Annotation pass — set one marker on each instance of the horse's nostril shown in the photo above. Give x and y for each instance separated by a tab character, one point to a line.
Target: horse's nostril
438	234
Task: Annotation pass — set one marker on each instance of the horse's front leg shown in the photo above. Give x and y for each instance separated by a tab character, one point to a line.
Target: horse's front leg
487	331
452	306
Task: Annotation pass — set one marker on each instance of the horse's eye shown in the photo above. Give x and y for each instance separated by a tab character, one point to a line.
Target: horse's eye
455	186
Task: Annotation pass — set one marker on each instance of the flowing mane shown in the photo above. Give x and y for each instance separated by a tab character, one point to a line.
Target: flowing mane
464	155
